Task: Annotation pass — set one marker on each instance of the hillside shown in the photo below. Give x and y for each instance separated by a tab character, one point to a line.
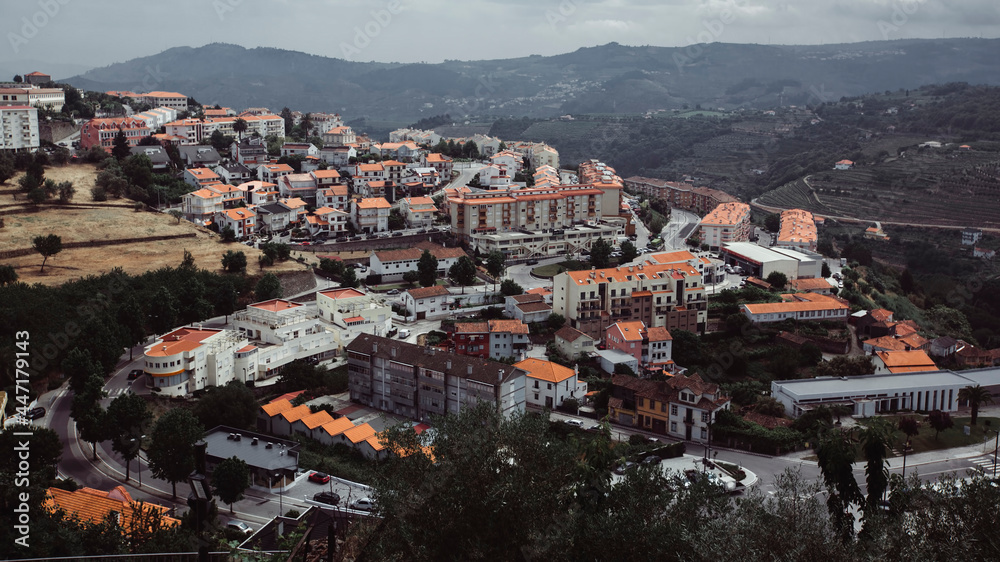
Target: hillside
610	78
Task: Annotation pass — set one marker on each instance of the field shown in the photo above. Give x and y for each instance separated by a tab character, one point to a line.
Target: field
111	220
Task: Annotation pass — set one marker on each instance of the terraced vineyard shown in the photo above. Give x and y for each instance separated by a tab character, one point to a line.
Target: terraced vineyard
946	188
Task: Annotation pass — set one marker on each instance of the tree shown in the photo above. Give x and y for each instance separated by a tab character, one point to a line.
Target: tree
37	196
232	405
824	271
687	348
975	396
230	479
876	438
555	321
770	406
349	278
239	127
78	366
176	214
509	287
269	287
48	246
162	311
940	421
18	79
772	222
131	322
909	425
171	447
228	234
411	277
234	262
128	423
496	263
286	114
225	299
8	275
906	282
427	269
463	272
835	455
629	252
91	418
600	254
845	366
777	279
120	149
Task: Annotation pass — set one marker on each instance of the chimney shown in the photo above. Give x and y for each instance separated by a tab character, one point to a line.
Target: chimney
374	347
469	369
448	364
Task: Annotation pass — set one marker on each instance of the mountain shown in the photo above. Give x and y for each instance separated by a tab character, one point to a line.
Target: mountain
610	78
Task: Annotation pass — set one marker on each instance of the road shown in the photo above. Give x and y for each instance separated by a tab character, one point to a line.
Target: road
677	231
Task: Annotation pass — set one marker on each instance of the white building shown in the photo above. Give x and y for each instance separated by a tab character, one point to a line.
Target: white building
284	331
427	302
19	128
189	359
419	211
548	384
353	313
371	215
243	221
390	265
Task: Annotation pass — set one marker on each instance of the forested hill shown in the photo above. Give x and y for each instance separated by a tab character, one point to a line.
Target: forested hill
609	78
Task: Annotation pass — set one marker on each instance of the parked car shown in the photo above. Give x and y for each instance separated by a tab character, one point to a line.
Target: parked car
35	413
574	423
595	427
404	333
532	262
327	497
320	477
624	467
239	527
134	374
651	459
363	504
398	233
392	292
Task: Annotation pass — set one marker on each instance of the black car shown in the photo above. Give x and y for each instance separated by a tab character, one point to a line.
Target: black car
397	233
134	374
35	413
532	262
327	498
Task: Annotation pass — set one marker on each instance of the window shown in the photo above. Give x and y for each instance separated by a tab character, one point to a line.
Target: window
704	417
536	385
673	427
704	433
673	409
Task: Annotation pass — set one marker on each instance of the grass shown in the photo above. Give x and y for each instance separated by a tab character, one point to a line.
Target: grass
949	438
551	270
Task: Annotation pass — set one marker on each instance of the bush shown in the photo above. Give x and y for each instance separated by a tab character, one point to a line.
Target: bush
98	193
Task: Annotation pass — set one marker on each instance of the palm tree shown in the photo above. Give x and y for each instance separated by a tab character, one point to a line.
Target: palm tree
975	396
876	437
239	126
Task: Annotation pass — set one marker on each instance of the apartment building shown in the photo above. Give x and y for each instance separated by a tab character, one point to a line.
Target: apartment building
251	152
671	296
102	132
493	339
371	215
200	206
417	382
728	222
681	407
441	163
273	173
798	230
19	128
302	186
335	197
282	331
201	177
354	312
418	211
799	306
651	347
51	98
680	195
341	135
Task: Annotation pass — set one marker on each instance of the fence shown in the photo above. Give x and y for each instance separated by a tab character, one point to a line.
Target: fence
7	254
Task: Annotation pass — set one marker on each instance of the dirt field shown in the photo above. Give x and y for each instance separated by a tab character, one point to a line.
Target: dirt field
106	223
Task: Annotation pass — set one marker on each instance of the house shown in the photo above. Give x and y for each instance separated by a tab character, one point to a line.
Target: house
325	179
816	285
896	362
259	192
201	205
234	173
302	149
572	342
353	312
156	118
301	186
528	308
876	232
273	217
250	152
339	136
94	506
339	156
843	165
651	347
273	462
273	172
327	221
442	164
335	197
309	426
494	339
391	265
156	154
943	346
983	253
971	236
364	173
243	221
427	177
799	306
280	331
199	156
419	211
384	189
37	78
681	407
232	196
427	302
371	215
873	323
200	177
428	382
548	384
728	222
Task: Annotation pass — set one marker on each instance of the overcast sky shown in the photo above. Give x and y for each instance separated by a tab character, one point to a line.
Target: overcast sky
100	33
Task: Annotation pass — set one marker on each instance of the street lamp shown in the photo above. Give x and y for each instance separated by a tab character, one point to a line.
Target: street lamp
906	449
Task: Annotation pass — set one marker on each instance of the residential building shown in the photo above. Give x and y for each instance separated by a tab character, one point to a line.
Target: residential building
354	312
528	308
339	136
680	195
19	128
876	233
427	302
172	100
274	217
729	222
843	165
157	156
201	177
651	347
548	384
189	359
418	382
273	172
543	155
815	285
494	339
37	78
102	132
371	215
712	270
381	189
798	230
158	117
944	346
799	306
418	211
394	170
390	265
259	192
971	236
14	96
441	163
327	178
335	197
897	362
232	196
96	506
325	220
594	171
50	98
681	407
250	152
572	342
243	221
339	156
200	206
507	159
282	331
302	149
668	296
364	173
302	186
234	173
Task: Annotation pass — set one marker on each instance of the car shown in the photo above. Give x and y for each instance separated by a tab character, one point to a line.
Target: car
651	459
239	527
624	467
363	504
392	292
327	498
35	413
532	262
595	427
404	333
134	374
397	233
574	423
319	477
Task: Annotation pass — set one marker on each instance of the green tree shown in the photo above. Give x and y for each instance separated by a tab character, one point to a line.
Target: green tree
629	252
846	366
772	222
8	275
824	271
120	149
687	348
906	282
269	287
509	287
835	454
463	272
876	440
940	421
230	479
600	254
909	425
555	321
411	277
427	269
225	299
975	396
234	261
239	127
176	214
131	322
48	246
227	234
777	279
162	311
232	405
496	263
349	278
78	366
171	446
128	422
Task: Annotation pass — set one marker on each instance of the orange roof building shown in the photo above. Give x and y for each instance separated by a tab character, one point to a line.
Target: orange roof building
799	306
798	230
94	506
728	222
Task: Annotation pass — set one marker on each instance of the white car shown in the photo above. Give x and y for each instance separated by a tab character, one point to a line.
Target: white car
363	504
574	423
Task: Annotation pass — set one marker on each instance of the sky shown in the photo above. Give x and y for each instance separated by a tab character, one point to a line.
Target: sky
99	33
